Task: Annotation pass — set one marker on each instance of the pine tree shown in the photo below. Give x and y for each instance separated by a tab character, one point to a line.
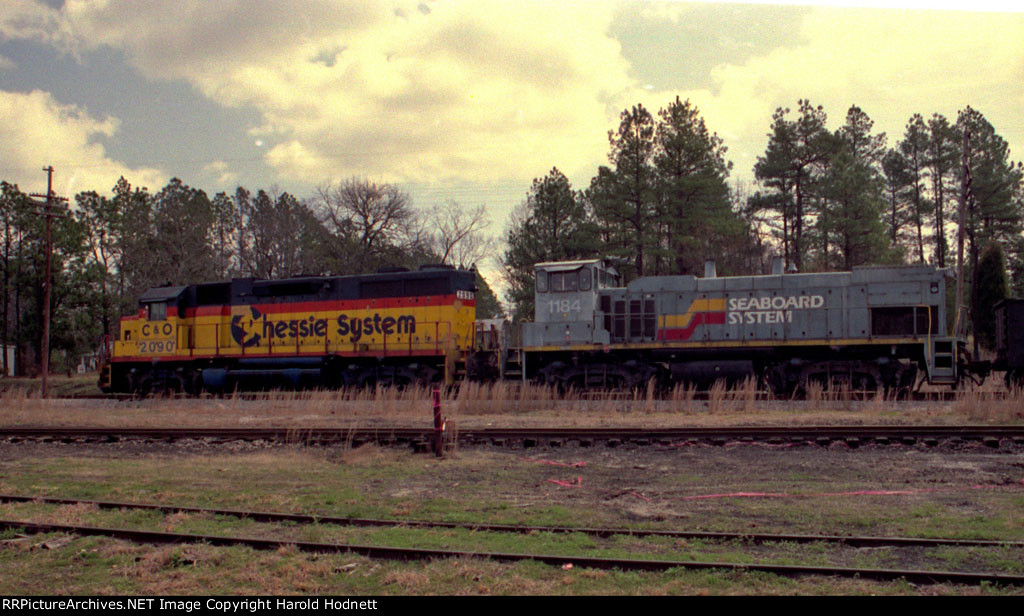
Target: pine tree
896	183
851	212
551	225
790	170
994	201
941	160
693	202
992	287
913	150
623	197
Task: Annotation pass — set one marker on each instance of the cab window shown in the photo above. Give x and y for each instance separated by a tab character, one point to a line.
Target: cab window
157	311
565	281
585	279
542	282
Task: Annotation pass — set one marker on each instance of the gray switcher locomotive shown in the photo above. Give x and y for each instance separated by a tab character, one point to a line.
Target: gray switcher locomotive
871	328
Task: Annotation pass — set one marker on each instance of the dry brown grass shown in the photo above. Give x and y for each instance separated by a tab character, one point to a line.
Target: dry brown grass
682	398
987	406
155	561
879	403
410	582
716	398
509	404
366	455
68	514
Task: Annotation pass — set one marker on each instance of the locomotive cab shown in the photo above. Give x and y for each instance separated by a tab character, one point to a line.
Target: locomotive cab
147	337
566	300
154	330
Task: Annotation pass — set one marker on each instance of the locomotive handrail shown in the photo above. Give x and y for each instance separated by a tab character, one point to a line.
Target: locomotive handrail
928	331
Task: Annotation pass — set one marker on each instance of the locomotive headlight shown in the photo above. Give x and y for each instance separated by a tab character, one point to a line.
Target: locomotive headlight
934	288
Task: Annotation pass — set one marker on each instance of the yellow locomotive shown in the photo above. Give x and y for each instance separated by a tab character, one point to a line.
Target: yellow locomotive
394	327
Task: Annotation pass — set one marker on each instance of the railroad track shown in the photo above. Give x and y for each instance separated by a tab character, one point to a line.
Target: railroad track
945	395
853	436
404	554
396	553
300	518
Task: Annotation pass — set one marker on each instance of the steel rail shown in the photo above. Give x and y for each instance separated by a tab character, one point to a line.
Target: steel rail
395	553
851	434
269	516
699	396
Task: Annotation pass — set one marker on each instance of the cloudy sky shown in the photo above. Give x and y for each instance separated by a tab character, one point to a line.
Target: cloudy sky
467	101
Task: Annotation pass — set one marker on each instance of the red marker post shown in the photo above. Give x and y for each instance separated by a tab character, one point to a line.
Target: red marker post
438	424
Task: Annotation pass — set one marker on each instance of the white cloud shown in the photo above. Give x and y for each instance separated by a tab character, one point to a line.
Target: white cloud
31	19
892	64
488	92
403	91
37	131
221	172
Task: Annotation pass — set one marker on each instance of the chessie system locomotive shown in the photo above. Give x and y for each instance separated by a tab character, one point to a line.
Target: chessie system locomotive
874	327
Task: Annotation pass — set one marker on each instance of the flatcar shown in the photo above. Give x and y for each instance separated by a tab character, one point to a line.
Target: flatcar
391	328
871	328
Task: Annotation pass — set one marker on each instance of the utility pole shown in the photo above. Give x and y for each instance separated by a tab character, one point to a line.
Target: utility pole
48	214
965	186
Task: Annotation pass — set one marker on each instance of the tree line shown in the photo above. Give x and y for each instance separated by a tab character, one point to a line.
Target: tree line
663	204
107	250
823	200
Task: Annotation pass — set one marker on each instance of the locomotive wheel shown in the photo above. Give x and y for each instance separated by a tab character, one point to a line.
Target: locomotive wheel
606	376
1014	379
143	386
904	383
787	380
601	376
397	376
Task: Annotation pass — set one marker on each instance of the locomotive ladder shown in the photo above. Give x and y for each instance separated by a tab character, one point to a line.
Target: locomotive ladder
941	358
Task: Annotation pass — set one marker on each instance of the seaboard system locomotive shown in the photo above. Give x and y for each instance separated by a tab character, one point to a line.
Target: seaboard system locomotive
868	329
874	327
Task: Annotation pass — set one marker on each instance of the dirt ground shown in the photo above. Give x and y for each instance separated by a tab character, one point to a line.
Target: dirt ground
732	487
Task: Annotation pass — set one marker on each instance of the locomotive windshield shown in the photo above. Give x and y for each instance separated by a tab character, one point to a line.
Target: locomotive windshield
565	281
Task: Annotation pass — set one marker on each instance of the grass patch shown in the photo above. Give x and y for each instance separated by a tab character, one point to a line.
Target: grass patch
643	488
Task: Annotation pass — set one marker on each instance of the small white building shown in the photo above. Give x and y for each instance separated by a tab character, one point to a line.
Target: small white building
9	349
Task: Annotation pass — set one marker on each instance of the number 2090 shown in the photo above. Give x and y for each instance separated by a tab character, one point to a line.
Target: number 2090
156	346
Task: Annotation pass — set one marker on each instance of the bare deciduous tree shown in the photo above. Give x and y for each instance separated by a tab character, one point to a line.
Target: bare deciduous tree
459	236
374	215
